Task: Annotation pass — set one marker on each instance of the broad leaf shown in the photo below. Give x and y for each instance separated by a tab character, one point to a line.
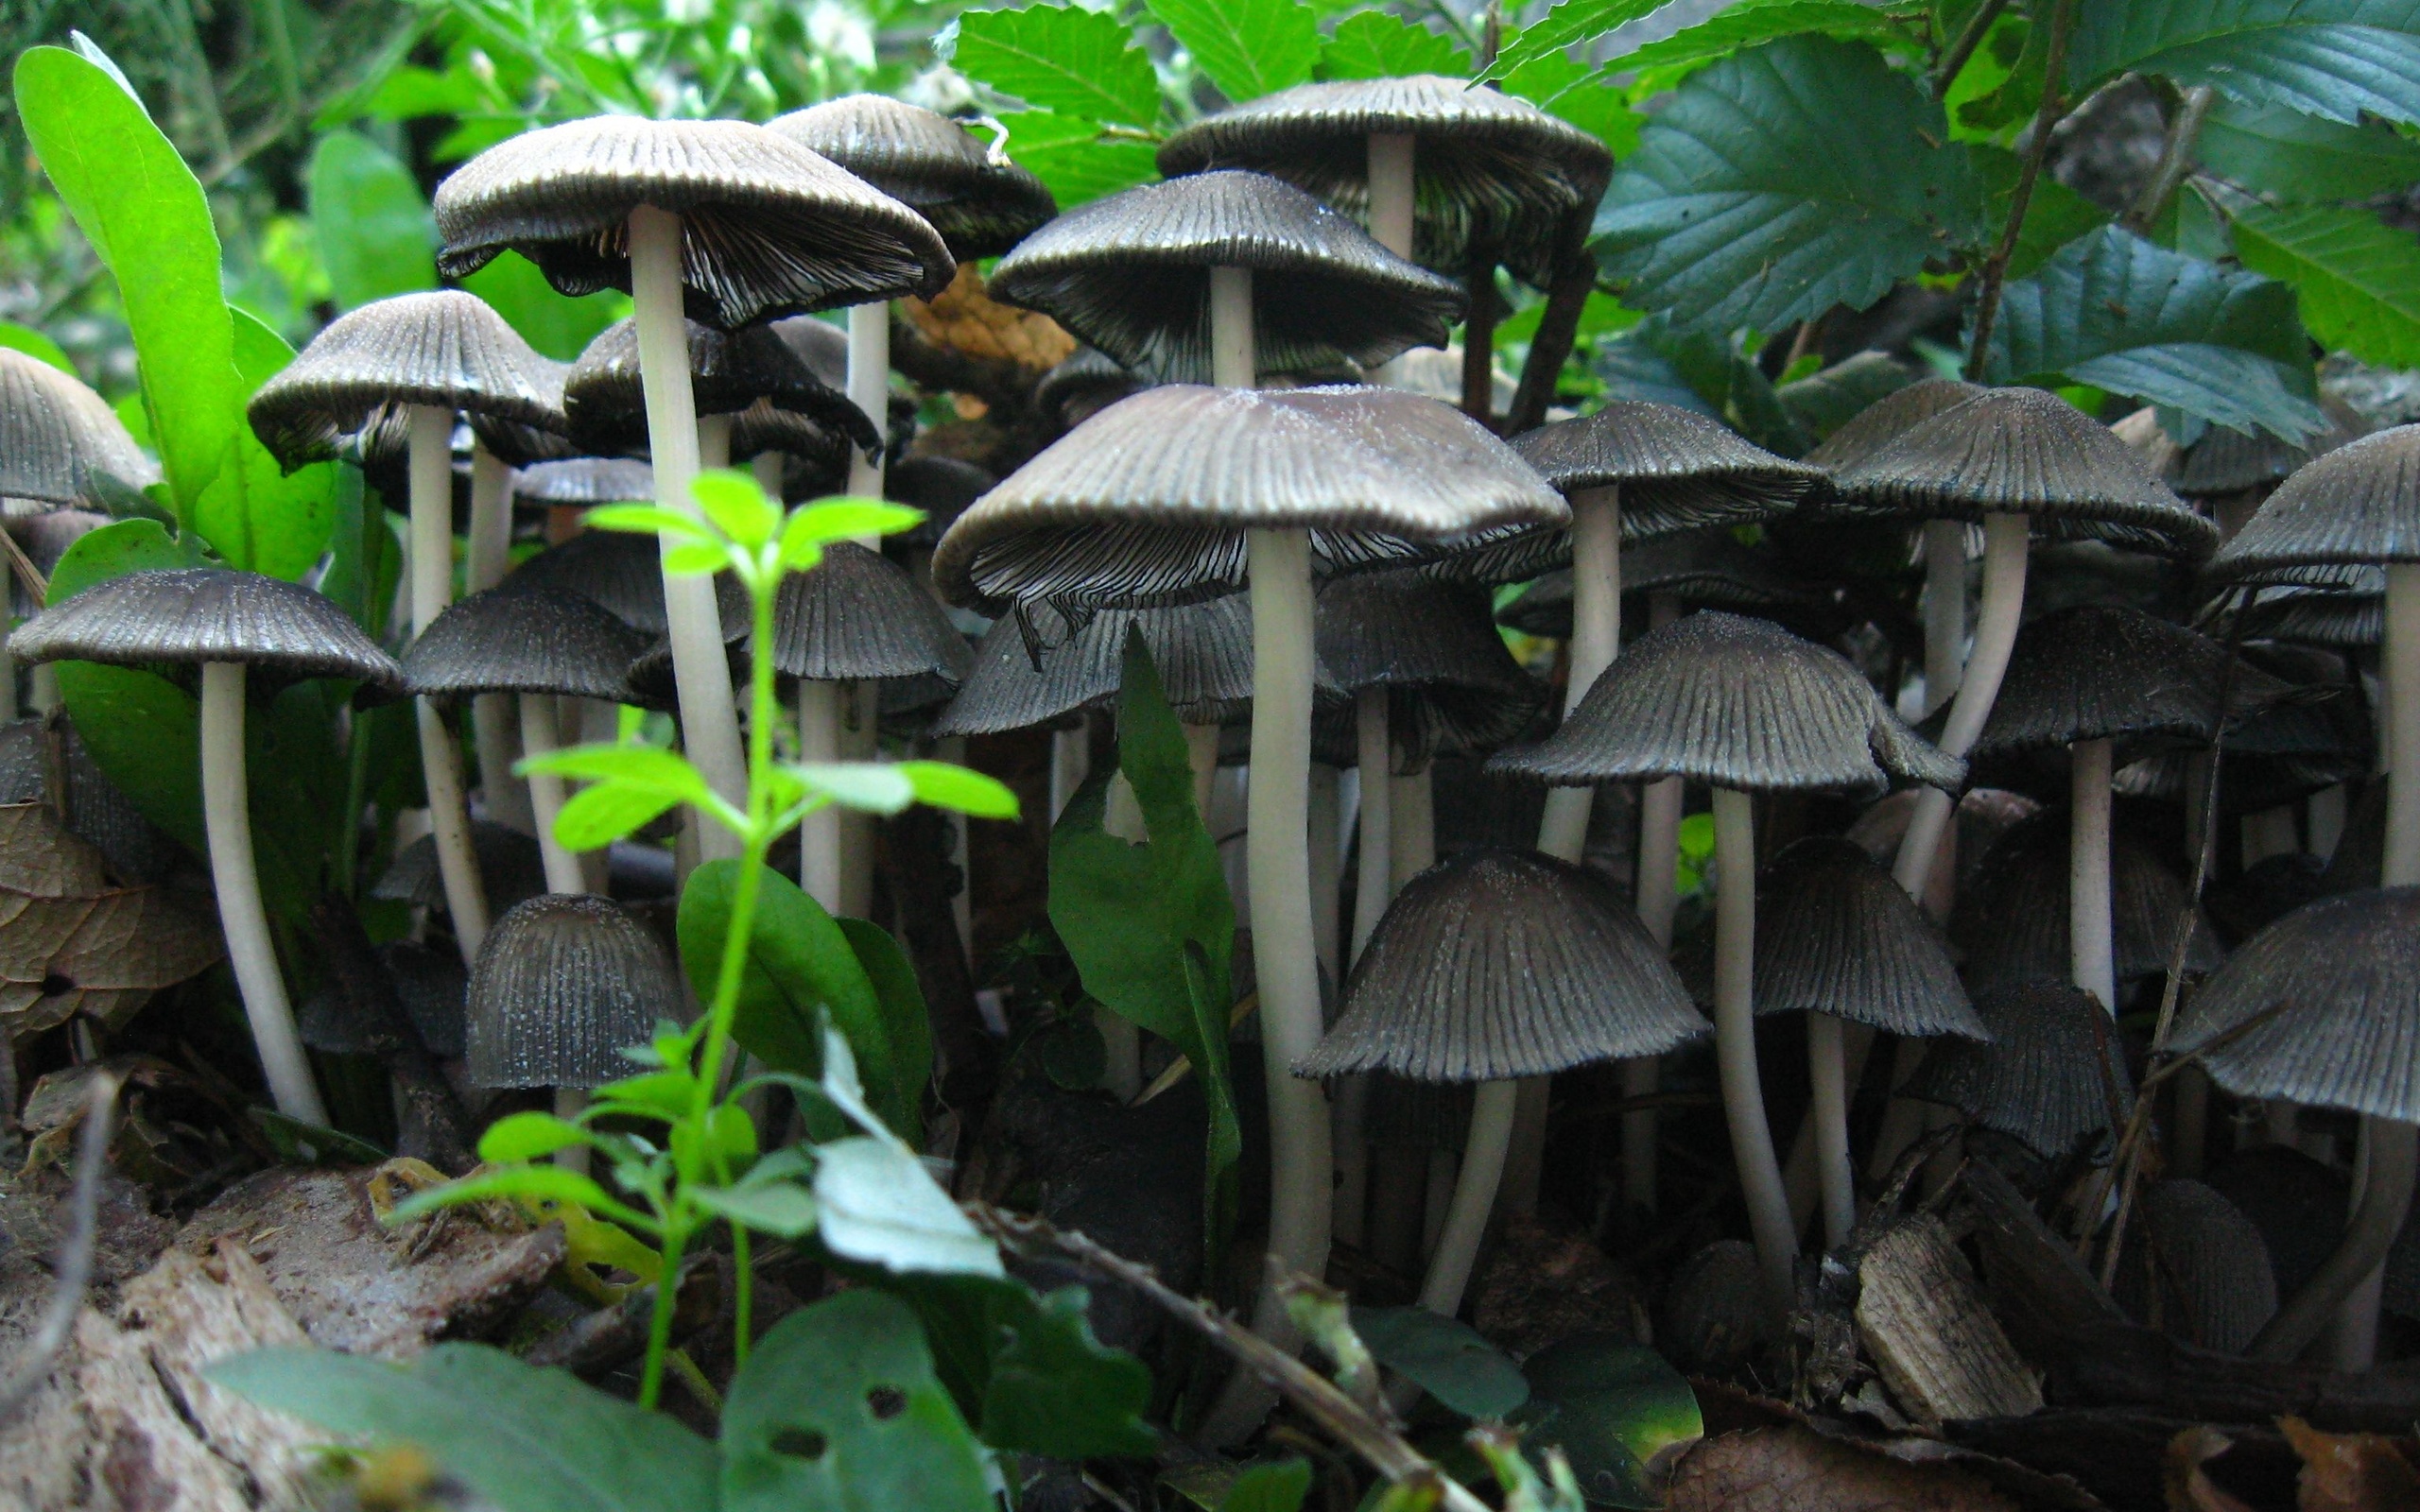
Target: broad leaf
1780	182
1279	1487
1057	58
33	343
2054	215
906	1023
255	515
555	323
144	731
523	1439
375	234
2357	279
1752	23
1446	1358
1248	48
1580	94
1075	159
2331	57
2113	311
1823	402
1701	370
2305	159
1613	1407
881	1206
837	1410
1375	44
1569	22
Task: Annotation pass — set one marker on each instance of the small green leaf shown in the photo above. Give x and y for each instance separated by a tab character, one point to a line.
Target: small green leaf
775	1208
907	1027
1448	1358
552	1183
959	789
1248	48
33	343
1375	44
647	520
528	1137
375	234
1057	58
555	323
1580	94
847	519
870	787
649	768
881	1206
1074	157
1614	1407
597	816
1752	23
666	1094
1279	1487
1570	22
2358	279
697	559
737	506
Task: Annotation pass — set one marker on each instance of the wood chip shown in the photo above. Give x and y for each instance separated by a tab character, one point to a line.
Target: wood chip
1921	1319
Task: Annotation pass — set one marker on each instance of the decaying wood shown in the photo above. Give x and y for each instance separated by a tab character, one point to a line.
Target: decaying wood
1929	1332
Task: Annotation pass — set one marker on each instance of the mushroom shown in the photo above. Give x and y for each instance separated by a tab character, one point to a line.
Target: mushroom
422	358
1491	967
2014	919
223	622
1745	706
1085	383
724	219
2207	1265
1709	568
2051	1078
511	869
755	390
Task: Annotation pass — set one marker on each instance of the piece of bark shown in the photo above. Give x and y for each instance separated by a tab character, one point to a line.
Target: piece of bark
2353	1473
1794	1469
1929	1332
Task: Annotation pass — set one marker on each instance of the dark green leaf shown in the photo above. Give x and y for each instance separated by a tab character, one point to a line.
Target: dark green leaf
1782	182
2331	57
905	1024
1279	1487
554	324
1448	1358
2305	159
376	234
1569	22
1375	44
1653	359
523	1439
300	1144
1752	23
837	1410
1580	94
1248	48
1823	402
2357	279
1613	1406
881	1206
142	730
1057	58
2054	215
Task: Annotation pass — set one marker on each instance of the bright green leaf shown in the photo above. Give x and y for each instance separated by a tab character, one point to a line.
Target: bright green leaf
649	768
736	506
774	1208
1752	23
33	343
697	559
254	514
1446	1358
549	1183
375	234
2305	159
647	520
597	816
1057	58
881	1206
847	519
870	788
1248	48
1279	1487
1570	22
554	324
2358	279
1578	93
528	1136
1375	44
1082	164
2331	57
1613	1407
959	789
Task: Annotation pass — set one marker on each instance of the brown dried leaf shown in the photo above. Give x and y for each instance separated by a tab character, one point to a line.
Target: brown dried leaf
1795	1470
43	858
970	322
71	943
2351	1472
2189	1486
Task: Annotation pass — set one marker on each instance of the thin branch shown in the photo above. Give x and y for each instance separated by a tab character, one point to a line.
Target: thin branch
75	1257
1953	62
1551	344
2175	156
1987	308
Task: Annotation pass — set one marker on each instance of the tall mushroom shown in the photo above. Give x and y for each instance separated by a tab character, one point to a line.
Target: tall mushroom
223	623
2044	1078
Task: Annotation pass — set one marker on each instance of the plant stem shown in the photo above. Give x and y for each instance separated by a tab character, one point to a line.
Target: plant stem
2054	64
659	1323
2175	156
1551	344
1953	60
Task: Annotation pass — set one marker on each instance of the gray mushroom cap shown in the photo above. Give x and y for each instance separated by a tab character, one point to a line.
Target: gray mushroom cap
563	985
444	349
1835	935
2211	1264
188	616
1131	274
942	486
2097	672
429	987
1487	165
1499	964
578	482
2021	450
980	202
605	402
511	870
60	444
1707	568
1148	503
2346	972
2043	1079
1737	702
1087	382
624	573
1884	421
2348	617
2012	919
859	616
769	228
2355	507
523	640
1451	684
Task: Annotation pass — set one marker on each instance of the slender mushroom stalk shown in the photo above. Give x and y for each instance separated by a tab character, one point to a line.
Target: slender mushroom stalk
2005	540
1201	755
2091	946
539	737
227	823
2399	864
819	833
1474	1198
1071	761
492	717
1596	639
709	720
1945	610
1734	1044
432	581
714	440
1658	890
1375	756
870	390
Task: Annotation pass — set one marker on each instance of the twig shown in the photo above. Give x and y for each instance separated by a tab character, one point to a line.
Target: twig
1551	344
1953	61
76	1256
1987	307
2174	154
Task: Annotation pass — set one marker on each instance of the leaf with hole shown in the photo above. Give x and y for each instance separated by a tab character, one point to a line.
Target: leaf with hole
2331	57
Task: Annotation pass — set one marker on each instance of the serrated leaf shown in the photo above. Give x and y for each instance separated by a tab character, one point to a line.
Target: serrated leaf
1582	95
1752	23
1448	1359
1075	159
1782	182
1375	44
375	231
2357	279
1248	48
2331	57
1058	58
1570	22
2305	159
881	1206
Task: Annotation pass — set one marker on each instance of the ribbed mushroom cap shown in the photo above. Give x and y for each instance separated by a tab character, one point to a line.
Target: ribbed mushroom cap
1149	500
1131	274
1498	964
2097	672
980	202
624	573
188	616
2225	462
606	405
1737	702
1884	421
429	987
59	443
942	486
578	482
768	226
1835	935
2042	1079
511	869
2217	1287
563	984
1085	383
2021	450
1452	685
2012	918
2347	970
523	640
1701	569
2358	506
2344	617
1486	164
857	616
444	349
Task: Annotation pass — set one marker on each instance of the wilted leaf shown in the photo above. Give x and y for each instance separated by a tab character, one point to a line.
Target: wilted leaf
1792	1469
71	943
2189	1485
2352	1473
969	321
882	1207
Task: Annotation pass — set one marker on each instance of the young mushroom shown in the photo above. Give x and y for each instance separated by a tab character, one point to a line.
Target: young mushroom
2015	917
2053	1076
223	623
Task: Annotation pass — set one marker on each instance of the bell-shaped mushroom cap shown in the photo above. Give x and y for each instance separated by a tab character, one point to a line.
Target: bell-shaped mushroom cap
768	226
622	572
578	482
1131	274
2049	1075
429	987
1703	568
1498	964
942	486
1737	702
1835	935
2012	919
563	984
60	443
188	616
2021	450
1884	421
1432	644
511	869
2097	672
2358	506
1149	500
523	640
2346	617
859	616
1677	470
444	349
1085	383
2339	982
980	202
1487	164
606	405
2216	1285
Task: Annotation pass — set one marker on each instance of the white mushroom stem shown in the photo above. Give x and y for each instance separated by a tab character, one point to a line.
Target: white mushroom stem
1828	1106
1328	864
1596	637
1201	755
709	721
2005	540
491	718
2392	1151
1391	201
714	442
540	736
860	728
819	833
1071	761
1375	754
870	390
2400	866
1484	1152
431	477
1945	610
1657	887
2092	963
1734	1044
227	823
